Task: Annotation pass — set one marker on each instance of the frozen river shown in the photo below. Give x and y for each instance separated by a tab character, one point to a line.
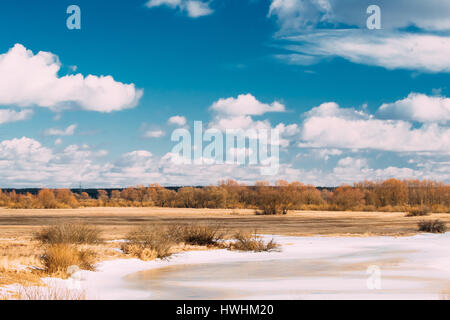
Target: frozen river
314	268
415	267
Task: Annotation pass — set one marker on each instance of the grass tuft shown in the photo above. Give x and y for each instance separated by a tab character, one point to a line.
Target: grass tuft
57	258
245	241
148	243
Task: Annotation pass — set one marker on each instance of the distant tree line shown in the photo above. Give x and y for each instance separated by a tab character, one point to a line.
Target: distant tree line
388	195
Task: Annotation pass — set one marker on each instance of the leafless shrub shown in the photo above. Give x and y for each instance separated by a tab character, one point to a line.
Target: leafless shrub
432	226
245	241
69	233
148	243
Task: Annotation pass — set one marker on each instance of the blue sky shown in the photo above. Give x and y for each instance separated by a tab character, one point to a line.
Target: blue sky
358	103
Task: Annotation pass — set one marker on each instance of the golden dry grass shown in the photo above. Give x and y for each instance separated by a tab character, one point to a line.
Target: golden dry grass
15	256
116	223
152	242
148	243
57	258
69	233
245	241
21	260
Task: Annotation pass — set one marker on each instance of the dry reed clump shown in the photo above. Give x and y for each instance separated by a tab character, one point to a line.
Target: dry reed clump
266	211
418	212
245	241
148	243
57	258
432	226
200	235
50	293
69	233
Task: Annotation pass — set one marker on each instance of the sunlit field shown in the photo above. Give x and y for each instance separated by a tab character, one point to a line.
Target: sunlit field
41	243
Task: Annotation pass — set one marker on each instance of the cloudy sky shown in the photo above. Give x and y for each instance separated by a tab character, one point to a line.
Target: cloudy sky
97	106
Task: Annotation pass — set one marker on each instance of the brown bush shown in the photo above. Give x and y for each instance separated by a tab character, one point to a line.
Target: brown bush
201	235
59	257
432	226
148	243
69	233
418	212
245	241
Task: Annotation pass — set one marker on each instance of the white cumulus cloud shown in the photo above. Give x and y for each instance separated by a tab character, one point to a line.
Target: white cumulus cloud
25	150
245	104
417	107
177	120
322	129
29	79
237	114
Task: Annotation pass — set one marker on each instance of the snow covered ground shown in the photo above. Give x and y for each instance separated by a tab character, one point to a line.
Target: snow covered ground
415	267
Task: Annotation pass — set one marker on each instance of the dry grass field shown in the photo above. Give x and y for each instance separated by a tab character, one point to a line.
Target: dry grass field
116	222
19	249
